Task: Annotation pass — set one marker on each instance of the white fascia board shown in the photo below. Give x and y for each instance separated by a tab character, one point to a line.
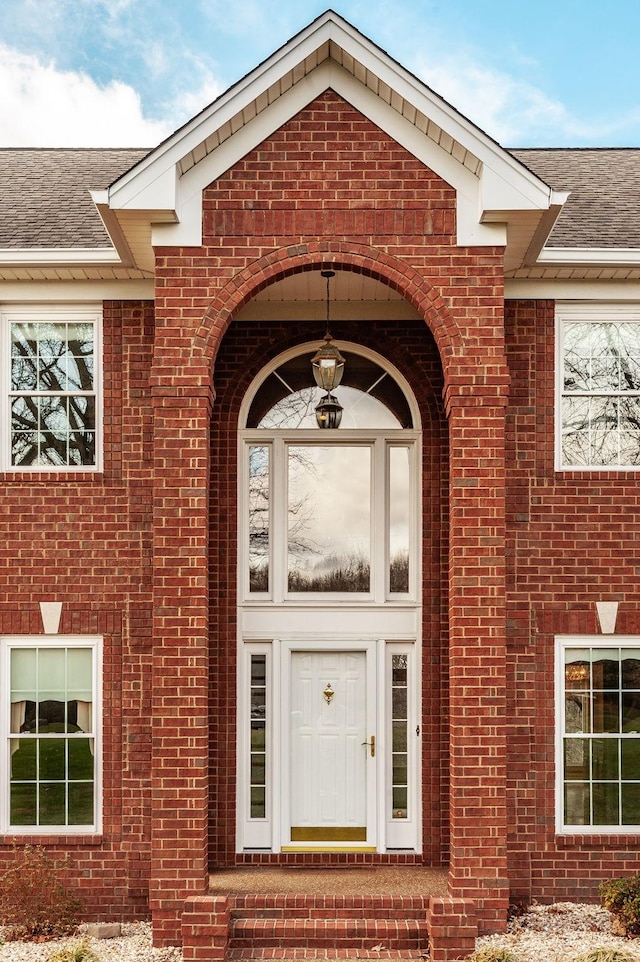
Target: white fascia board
50	292
555	289
58	257
329	75
590	256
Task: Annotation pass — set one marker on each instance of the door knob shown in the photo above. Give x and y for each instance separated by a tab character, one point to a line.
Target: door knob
372	745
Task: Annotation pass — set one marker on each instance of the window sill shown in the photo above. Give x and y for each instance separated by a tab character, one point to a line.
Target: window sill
599	839
9	839
57	476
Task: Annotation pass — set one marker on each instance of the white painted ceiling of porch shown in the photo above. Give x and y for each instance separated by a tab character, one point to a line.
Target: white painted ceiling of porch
302	296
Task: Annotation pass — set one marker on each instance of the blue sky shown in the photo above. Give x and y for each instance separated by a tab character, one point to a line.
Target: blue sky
128	72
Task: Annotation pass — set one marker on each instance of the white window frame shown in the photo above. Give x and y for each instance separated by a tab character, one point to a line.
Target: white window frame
587	312
563	642
380	444
7	645
42	314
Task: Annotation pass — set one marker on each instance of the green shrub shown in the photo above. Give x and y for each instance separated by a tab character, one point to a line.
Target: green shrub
81	952
34	903
622	898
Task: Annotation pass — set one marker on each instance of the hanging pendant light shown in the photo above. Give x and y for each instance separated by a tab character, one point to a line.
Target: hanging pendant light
328	367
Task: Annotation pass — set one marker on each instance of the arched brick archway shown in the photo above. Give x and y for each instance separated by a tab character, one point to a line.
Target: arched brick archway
278	264
469	334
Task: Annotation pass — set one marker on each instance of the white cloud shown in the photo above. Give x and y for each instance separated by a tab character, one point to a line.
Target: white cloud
42	106
512	111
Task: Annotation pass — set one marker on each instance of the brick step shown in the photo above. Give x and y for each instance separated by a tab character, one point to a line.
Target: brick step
326	906
339	955
393	935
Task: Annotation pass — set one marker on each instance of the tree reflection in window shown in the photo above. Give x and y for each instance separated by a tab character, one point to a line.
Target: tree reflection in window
601	394
53	403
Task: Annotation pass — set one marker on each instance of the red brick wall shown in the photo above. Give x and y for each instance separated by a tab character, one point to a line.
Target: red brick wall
573	539
85	540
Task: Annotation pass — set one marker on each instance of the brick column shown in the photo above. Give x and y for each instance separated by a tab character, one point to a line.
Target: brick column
477	653
179	777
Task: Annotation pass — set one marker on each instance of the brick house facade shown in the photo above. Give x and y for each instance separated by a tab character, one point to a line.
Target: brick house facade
468	277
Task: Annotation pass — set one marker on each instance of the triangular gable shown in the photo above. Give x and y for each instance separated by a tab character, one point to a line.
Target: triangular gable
498	199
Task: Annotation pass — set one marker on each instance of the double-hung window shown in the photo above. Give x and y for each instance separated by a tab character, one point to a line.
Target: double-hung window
598	728
50	397
50	735
599	387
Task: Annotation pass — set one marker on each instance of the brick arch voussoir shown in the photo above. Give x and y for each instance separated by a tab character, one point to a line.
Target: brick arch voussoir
280	263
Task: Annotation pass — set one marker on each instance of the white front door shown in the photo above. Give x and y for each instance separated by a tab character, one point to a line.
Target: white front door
331	788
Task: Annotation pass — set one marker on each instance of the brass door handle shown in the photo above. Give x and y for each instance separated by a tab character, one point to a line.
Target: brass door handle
372	745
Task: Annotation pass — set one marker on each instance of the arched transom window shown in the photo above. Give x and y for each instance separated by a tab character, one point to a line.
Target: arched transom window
329	514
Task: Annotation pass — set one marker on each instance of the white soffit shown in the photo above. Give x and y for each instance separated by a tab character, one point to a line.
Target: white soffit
493	188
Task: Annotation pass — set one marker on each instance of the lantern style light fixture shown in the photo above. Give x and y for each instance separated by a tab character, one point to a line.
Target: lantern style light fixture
328	366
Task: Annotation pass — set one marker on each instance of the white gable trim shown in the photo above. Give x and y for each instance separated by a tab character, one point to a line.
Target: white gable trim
293	77
188	230
474	226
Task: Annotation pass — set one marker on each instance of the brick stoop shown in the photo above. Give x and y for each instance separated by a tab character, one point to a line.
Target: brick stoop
262	926
305	926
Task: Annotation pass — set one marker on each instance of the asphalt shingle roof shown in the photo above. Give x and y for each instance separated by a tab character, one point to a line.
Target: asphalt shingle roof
45	200
604	207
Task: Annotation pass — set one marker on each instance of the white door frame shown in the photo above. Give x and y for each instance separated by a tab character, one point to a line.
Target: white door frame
371	722
272	832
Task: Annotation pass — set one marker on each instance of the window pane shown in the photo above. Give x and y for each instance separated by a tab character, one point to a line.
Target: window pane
23	759
329	526
606	711
631	712
258	739
605	761
629	355
52	808
399	736
606	803
576	804
577	672
81	797
23	805
259	516
631	668
399	506
631	804
51	670
606	669
80	759
576	759
52	761
630	752
629	423
577	713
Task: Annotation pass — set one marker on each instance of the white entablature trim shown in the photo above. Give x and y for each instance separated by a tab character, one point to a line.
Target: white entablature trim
491	186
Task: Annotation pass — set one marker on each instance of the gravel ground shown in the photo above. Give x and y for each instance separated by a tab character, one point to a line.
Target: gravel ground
551	933
133	946
560	933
